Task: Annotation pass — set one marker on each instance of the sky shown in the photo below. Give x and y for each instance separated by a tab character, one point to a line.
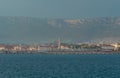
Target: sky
60	8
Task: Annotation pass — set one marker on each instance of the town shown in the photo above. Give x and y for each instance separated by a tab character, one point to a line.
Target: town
62	48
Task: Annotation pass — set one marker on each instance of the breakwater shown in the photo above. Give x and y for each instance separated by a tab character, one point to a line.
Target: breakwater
59	52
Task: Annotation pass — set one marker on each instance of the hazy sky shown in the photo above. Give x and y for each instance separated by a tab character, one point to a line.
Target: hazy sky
60	8
12	32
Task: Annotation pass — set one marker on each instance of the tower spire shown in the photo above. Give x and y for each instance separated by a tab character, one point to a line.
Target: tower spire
59	43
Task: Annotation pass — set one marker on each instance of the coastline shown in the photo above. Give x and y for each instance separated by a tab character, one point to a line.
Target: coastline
59	52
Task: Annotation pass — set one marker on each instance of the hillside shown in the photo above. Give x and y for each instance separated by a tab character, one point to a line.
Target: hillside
36	30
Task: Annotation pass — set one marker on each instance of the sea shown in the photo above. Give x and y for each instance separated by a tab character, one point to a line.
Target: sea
59	66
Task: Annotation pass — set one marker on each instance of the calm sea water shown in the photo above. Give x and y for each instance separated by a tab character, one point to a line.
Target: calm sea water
59	66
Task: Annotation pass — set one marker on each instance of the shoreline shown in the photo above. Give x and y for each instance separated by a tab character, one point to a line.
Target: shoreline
58	52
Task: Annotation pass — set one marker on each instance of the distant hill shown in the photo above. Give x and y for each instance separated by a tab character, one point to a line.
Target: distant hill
36	30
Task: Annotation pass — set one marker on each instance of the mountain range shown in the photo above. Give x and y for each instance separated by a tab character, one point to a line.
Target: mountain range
42	30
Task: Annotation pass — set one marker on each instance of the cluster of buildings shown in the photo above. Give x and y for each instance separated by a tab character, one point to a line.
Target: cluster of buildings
18	48
60	47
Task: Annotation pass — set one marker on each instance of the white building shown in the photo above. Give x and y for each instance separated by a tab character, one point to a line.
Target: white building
64	47
17	48
2	48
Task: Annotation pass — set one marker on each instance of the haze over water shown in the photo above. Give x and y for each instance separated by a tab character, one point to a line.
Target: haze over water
14	32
